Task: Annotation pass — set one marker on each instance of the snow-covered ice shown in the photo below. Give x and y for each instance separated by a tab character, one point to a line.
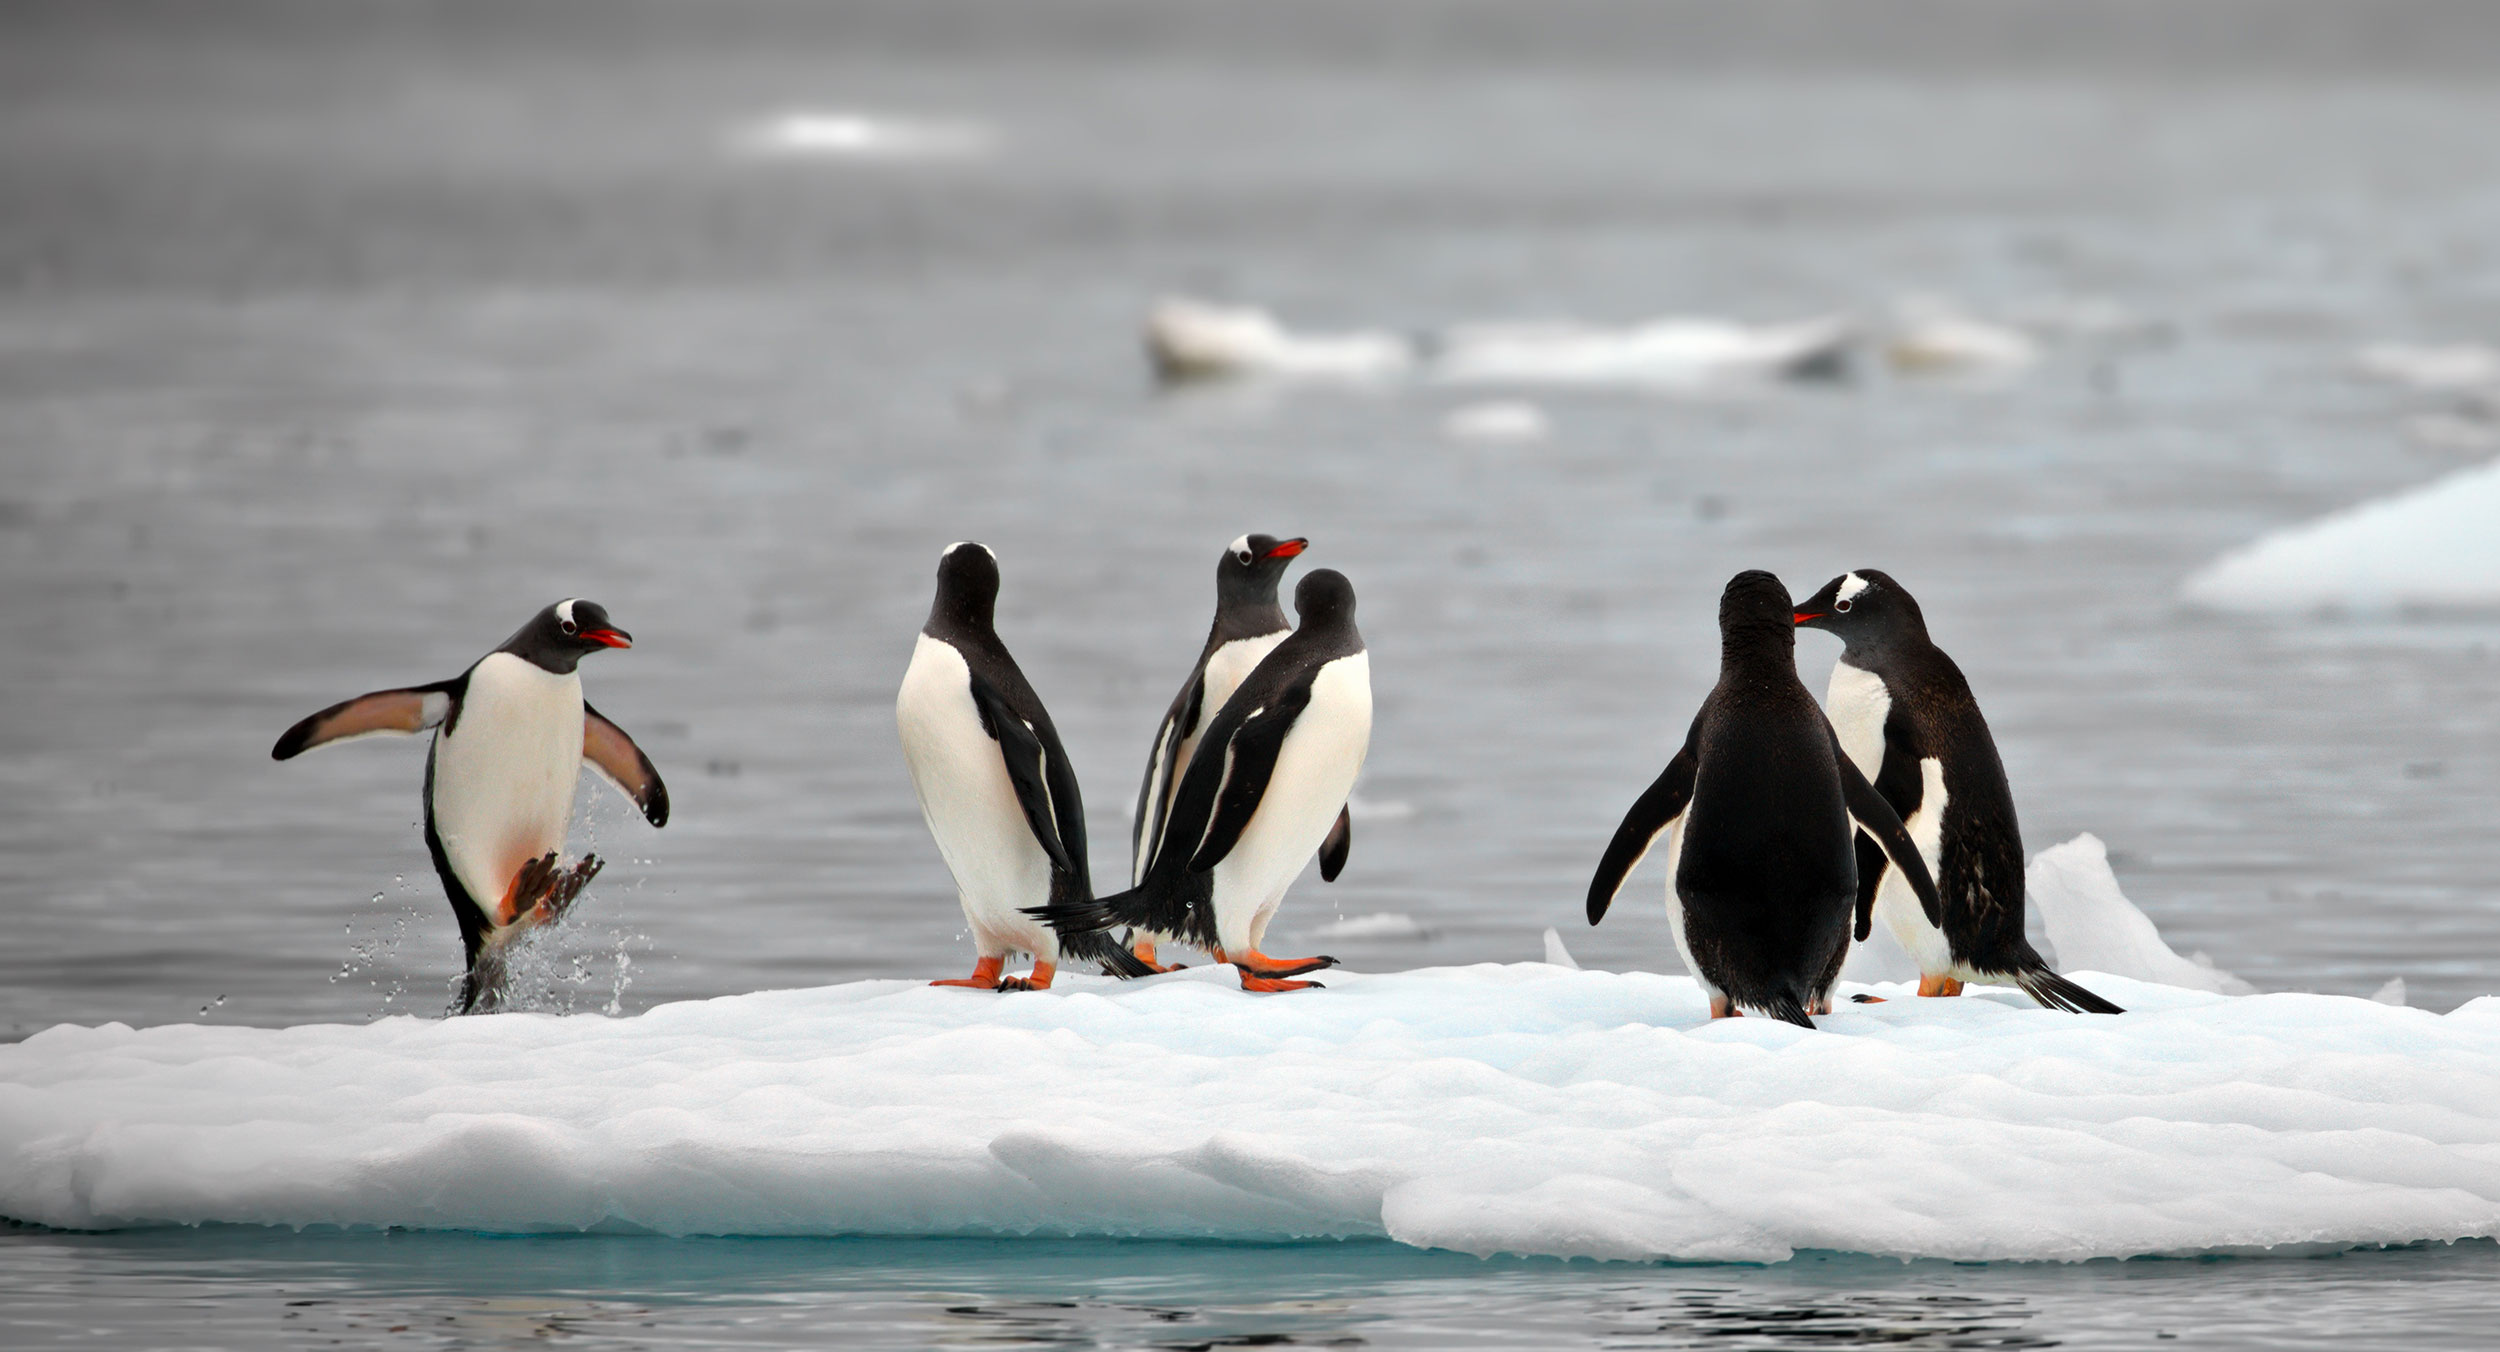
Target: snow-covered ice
2427	547
1200	340
2092	925
1526	1108
2456	366
1671	353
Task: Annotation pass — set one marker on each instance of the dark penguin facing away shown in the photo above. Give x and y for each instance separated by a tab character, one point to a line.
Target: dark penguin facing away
1907	720
994	782
512	733
1761	872
1248	626
1263	791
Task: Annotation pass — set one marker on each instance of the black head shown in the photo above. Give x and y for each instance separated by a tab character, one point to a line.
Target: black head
1867	609
1754	613
967	588
557	638
1324	599
1251	566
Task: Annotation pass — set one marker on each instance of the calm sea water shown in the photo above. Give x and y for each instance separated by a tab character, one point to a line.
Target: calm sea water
334	340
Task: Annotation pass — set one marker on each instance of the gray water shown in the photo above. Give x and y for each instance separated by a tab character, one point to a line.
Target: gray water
336	339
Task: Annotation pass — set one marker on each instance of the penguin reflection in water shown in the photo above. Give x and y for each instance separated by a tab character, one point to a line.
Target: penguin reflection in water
1265	788
1248	626
994	783
1758	803
1907	720
511	735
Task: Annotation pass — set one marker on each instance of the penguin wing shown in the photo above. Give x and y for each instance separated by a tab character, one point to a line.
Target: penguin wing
1023	753
1249	762
1332	851
396	712
1875	817
613	754
1652	813
1163	769
1900	782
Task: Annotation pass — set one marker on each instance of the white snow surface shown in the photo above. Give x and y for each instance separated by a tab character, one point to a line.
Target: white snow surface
2427	547
1525	1108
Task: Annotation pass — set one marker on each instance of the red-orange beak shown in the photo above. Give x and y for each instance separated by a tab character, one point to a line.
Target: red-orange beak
614	638
1289	548
1800	617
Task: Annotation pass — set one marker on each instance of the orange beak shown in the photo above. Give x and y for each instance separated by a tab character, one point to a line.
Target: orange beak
1289	548
614	638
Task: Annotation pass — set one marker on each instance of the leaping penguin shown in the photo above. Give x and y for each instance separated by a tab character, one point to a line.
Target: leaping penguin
1761	874
1264	789
994	783
1248	626
512	735
1907	720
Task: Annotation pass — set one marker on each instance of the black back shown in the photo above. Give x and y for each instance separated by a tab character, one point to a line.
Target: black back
1767	872
1980	863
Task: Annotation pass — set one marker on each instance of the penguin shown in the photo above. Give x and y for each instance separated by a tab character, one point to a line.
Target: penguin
994	783
1263	790
1248	626
510	737
1761	872
1907	721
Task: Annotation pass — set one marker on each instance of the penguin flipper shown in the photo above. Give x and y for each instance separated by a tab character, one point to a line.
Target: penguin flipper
393	712
1875	816
607	749
1022	751
1250	761
1658	808
1332	851
1163	772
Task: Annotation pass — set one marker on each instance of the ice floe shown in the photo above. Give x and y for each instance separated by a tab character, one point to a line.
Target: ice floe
1526	1108
2092	925
1673	353
835	134
1929	337
2455	366
2429	547
1496	420
1190	340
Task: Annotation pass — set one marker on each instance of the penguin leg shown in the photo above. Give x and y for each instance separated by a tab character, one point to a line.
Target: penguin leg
1938	985
1142	944
984	974
1038	980
529	884
1722	1007
1252	962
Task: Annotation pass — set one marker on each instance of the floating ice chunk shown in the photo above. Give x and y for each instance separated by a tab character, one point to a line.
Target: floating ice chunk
2430	546
1524	1108
1677	353
2094	927
1195	340
1929	338
1556	954
1510	420
2393	993
815	133
2458	366
1377	925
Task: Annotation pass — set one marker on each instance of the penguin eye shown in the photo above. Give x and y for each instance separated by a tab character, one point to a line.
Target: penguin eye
565	625
1844	606
1244	556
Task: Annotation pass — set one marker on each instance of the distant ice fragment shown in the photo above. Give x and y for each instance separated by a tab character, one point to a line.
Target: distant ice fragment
1190	340
1556	954
2096	929
2393	993
1496	420
2428	547
1378	925
1931	338
2456	366
1673	353
818	133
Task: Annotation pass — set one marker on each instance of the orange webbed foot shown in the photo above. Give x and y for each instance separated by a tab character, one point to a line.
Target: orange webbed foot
1722	1007
1939	986
984	975
1866	999
1036	980
1144	951
1252	962
1270	983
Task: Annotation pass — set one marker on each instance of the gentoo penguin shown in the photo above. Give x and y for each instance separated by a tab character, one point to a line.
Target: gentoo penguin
512	734
1248	626
993	782
1761	873
1908	722
1265	787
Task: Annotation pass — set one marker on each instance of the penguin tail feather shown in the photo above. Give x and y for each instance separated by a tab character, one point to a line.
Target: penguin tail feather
1082	923
1787	1008
2056	992
1106	951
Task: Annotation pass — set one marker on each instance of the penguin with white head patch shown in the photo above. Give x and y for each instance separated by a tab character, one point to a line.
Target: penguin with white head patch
1907	720
994	783
1758	806
1265	787
511	735
1248	626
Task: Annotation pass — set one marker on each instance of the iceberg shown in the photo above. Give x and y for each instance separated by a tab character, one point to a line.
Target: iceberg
2428	547
1525	1108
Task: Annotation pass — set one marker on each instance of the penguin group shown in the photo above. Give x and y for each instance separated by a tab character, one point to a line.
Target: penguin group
1789	828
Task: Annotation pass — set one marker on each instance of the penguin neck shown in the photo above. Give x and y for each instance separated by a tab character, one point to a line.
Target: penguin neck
963	619
1749	654
1238	618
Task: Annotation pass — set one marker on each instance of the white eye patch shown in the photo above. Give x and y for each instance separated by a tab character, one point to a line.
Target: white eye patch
1850	586
564	610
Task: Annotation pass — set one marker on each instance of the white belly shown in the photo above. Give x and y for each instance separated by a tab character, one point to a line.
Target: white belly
1227	668
1315	771
504	774
1857	704
1896	905
971	805
1675	904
